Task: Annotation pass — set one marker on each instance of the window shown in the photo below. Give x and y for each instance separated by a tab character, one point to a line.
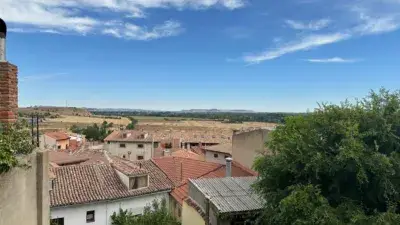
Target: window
66	146
90	216
57	221
138	182
140	157
215	155
122	145
59	147
140	145
226	156
124	156
155	144
108	142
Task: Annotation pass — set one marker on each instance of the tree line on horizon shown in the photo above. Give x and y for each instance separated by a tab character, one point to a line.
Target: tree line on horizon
226	117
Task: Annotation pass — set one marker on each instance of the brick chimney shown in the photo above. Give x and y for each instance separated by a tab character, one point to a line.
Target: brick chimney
8	82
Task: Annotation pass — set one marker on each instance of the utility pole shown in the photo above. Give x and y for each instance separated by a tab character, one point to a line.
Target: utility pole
37	130
33	134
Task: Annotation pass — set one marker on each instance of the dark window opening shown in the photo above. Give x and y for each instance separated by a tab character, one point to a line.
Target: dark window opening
90	216
59	146
140	146
122	145
57	221
140	157
215	155
155	144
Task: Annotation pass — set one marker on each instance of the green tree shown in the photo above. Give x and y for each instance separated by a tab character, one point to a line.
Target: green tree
157	213
132	124
96	132
337	165
14	140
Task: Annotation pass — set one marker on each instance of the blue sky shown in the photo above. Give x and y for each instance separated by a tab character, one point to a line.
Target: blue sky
262	55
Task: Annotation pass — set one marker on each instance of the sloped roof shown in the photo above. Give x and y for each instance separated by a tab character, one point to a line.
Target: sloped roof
183	153
59	136
180	169
230	194
127	167
224	148
129	136
181	192
61	158
99	182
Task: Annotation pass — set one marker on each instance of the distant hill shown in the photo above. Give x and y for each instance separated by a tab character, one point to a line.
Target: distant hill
217	111
53	110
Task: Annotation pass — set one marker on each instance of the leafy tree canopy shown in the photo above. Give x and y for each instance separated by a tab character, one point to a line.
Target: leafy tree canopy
94	132
14	140
132	124
337	165
157	213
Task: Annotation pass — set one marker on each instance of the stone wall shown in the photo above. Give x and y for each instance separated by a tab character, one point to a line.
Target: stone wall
8	92
24	192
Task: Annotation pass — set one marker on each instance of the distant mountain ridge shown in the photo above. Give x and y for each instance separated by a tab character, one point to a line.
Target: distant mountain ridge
183	111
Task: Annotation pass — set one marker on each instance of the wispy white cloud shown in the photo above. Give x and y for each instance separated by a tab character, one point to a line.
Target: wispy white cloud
304	44
69	16
333	60
134	32
369	21
313	25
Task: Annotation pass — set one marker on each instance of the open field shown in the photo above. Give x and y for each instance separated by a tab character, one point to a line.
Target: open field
66	121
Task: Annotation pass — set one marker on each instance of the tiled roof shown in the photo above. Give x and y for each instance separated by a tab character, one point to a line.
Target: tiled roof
230	194
127	167
194	136
183	153
181	192
58	135
62	158
129	136
224	148
98	182
180	169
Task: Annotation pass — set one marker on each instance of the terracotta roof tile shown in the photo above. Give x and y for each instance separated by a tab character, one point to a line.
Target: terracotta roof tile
182	153
129	136
58	135
179	169
62	158
224	148
127	167
98	182
181	192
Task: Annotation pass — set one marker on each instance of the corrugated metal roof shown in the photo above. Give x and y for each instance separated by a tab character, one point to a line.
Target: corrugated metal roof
230	194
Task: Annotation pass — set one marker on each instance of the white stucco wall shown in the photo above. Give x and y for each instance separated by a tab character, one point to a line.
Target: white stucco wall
76	215
115	149
220	159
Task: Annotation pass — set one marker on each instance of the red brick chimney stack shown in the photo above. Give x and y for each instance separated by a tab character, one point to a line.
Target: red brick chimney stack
8	82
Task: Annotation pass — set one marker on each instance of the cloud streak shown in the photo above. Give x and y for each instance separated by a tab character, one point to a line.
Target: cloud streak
304	44
314	25
365	21
333	60
71	16
133	32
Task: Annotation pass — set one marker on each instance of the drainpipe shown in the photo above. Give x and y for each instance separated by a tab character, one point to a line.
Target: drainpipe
228	172
207	201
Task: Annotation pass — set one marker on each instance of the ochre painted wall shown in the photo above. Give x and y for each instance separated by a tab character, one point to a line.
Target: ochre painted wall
190	216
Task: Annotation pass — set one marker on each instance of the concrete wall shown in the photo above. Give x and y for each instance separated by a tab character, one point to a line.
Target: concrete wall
24	192
115	149
247	146
210	157
47	142
76	215
175	208
190	216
